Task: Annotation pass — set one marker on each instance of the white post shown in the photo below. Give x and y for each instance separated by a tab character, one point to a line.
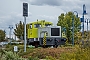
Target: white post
25	34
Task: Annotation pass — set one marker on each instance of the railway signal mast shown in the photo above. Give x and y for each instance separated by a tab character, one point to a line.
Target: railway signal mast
25	14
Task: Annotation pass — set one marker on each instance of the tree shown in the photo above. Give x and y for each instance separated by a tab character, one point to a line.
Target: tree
65	21
19	30
2	35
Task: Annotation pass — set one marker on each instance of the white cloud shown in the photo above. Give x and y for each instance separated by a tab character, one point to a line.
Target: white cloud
44	2
11	10
48	17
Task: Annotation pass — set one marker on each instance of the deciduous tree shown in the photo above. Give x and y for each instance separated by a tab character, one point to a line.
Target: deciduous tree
65	21
19	30
2	35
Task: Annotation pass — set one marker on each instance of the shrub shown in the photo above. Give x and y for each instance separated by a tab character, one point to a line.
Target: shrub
9	55
50	58
33	58
7	46
78	55
22	53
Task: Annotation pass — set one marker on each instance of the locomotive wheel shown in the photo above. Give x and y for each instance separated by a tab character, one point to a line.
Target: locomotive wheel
55	46
36	44
44	46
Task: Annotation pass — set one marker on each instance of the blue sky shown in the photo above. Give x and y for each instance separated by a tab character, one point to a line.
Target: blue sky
11	10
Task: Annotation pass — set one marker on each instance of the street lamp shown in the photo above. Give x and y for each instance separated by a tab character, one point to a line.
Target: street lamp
64	30
73	26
